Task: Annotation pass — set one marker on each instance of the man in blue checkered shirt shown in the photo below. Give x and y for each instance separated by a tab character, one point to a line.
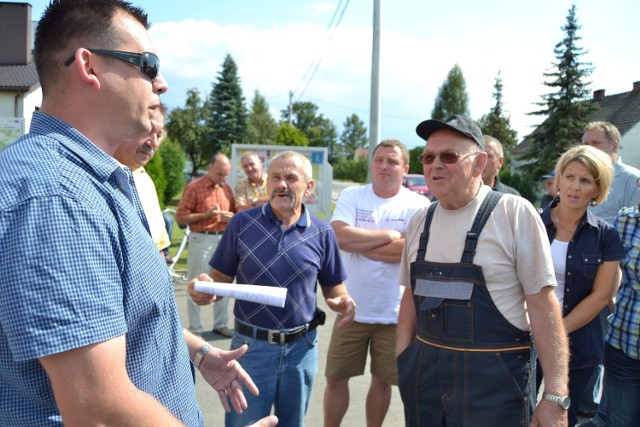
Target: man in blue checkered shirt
89	331
622	348
281	244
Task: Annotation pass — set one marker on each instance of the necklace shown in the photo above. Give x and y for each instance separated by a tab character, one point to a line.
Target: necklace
557	221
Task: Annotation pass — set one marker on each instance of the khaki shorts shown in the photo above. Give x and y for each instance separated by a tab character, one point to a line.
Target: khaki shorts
347	354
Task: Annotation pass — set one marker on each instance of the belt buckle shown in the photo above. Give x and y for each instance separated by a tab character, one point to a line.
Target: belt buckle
270	335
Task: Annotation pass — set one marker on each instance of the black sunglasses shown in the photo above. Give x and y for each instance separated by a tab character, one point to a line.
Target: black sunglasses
148	62
447	157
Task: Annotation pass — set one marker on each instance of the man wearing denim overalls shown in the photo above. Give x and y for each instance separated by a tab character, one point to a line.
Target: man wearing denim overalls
478	281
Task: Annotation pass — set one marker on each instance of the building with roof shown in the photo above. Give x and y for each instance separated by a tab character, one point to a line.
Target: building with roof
20	92
622	110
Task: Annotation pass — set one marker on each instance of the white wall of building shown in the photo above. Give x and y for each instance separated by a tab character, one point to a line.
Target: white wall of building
7	100
31	101
630	146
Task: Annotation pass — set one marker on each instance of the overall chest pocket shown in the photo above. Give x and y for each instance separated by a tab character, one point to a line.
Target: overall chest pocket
446	309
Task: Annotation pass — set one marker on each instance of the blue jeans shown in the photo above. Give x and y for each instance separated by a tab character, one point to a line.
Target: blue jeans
593	395
284	374
168	225
622	387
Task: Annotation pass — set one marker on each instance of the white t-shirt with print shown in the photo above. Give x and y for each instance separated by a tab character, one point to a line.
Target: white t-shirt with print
374	284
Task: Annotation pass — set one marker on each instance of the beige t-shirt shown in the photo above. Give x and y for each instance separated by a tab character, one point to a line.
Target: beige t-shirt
513	250
151	206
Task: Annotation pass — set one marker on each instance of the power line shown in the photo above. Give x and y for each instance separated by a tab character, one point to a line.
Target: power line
389	116
335	13
331	33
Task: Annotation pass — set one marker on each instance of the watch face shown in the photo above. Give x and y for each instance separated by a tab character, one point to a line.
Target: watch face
566	402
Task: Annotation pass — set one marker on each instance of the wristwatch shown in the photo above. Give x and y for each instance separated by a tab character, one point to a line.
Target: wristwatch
254	201
562	401
197	360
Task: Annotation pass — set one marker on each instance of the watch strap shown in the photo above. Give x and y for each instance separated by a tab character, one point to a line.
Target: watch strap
562	401
197	360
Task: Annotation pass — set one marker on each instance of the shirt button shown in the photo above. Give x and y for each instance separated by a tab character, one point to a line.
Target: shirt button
570	256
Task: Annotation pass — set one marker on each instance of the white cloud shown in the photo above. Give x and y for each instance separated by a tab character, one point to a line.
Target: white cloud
415	63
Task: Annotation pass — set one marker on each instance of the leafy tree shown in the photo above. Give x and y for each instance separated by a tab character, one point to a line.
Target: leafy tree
323	134
304	116
290	135
328	137
352	170
173	166
498	125
524	183
319	131
354	136
566	109
155	170
187	127
452	96
226	113
261	126
414	164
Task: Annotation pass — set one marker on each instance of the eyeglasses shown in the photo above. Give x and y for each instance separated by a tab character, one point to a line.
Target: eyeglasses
148	62
447	157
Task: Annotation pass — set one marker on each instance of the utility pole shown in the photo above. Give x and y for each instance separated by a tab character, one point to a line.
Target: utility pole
374	110
290	106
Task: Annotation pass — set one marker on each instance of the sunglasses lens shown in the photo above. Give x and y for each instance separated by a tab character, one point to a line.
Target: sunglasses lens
150	66
448	157
427	159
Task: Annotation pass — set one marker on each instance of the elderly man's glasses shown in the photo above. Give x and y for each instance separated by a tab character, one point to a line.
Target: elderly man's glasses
148	62
447	157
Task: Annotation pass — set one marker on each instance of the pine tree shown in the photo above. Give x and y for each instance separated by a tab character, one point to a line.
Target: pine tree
261	126
498	125
226	111
568	108
452	96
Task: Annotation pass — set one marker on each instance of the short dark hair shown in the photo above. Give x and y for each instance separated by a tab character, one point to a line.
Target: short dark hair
67	25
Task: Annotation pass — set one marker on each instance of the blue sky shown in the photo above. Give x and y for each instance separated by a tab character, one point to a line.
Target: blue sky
275	41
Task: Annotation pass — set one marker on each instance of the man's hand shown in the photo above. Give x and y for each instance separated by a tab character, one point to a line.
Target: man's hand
201	298
346	306
269	421
223	372
548	414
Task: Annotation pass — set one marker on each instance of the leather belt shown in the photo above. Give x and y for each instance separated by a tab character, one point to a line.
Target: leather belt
213	233
275	336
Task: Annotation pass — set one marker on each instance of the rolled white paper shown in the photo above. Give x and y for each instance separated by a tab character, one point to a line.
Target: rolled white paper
269	295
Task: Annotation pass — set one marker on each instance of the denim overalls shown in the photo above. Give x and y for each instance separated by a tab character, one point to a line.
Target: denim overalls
468	366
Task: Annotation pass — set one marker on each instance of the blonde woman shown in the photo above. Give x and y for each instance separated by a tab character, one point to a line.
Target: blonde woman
586	252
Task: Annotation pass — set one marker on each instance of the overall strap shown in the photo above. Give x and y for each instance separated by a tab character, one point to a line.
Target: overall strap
481	219
424	237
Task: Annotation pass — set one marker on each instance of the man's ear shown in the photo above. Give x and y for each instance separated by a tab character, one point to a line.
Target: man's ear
88	67
615	146
309	188
481	163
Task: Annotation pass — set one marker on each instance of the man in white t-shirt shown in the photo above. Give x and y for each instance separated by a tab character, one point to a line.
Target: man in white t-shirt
370	222
478	279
